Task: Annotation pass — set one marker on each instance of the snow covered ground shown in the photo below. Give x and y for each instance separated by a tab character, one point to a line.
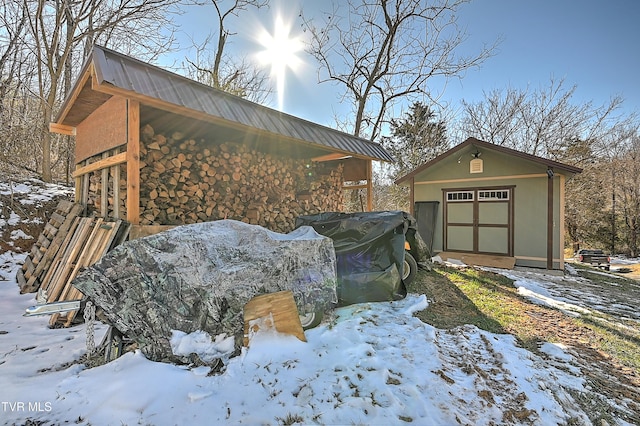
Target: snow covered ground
371	363
575	295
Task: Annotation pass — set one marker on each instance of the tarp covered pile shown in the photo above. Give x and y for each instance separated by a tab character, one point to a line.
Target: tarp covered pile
200	276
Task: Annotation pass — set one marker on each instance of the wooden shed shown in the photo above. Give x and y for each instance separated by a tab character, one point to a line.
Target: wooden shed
492	204
156	148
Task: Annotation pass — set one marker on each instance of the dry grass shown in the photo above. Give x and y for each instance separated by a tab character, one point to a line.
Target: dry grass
609	357
491	302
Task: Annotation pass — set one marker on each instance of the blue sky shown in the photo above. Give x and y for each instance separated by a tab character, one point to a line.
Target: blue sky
589	43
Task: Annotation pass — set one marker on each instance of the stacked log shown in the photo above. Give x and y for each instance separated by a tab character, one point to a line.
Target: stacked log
183	180
188	181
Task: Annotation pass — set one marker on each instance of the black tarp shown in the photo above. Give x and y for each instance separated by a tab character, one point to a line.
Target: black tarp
370	249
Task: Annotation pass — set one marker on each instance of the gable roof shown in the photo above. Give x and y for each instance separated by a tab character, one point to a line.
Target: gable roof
108	73
486	145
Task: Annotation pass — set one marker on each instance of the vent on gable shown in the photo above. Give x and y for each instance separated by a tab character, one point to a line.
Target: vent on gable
476	166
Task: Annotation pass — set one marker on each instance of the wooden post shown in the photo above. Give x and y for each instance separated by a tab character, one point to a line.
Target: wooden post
369	186
550	219
104	189
84	195
116	187
133	161
78	193
412	196
561	226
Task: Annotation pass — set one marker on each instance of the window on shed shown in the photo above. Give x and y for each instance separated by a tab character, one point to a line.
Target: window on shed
460	196
493	195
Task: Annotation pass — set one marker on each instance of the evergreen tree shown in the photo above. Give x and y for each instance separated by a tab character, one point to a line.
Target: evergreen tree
415	139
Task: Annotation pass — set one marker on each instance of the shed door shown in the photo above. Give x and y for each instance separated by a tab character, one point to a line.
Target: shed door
479	220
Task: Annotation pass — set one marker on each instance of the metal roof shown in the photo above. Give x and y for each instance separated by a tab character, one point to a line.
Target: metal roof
145	81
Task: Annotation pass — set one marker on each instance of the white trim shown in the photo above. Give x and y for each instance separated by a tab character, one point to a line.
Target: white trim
495	197
470	194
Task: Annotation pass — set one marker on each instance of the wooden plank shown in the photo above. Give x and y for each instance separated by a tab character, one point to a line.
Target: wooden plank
42	250
101	164
493	261
55	285
43	241
28	267
274	310
104	129
36	255
22	282
99	243
75	294
66	245
45	261
74	94
56	219
85	244
50	231
62	129
329	157
64	206
65	289
122	235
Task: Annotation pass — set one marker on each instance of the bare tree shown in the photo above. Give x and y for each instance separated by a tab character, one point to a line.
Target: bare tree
545	122
234	9
17	104
385	52
60	27
629	188
13	19
215	68
238	75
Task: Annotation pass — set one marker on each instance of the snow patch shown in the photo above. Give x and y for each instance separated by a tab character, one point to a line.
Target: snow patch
201	344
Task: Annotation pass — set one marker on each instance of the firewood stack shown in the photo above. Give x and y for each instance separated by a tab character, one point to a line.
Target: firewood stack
186	181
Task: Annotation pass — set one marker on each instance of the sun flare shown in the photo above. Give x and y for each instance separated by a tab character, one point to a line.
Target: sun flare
280	52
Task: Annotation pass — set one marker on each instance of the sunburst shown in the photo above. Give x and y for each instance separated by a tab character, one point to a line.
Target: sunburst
281	50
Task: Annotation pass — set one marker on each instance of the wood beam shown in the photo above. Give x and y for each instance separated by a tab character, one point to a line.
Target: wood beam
133	161
101	164
330	157
77	88
62	129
